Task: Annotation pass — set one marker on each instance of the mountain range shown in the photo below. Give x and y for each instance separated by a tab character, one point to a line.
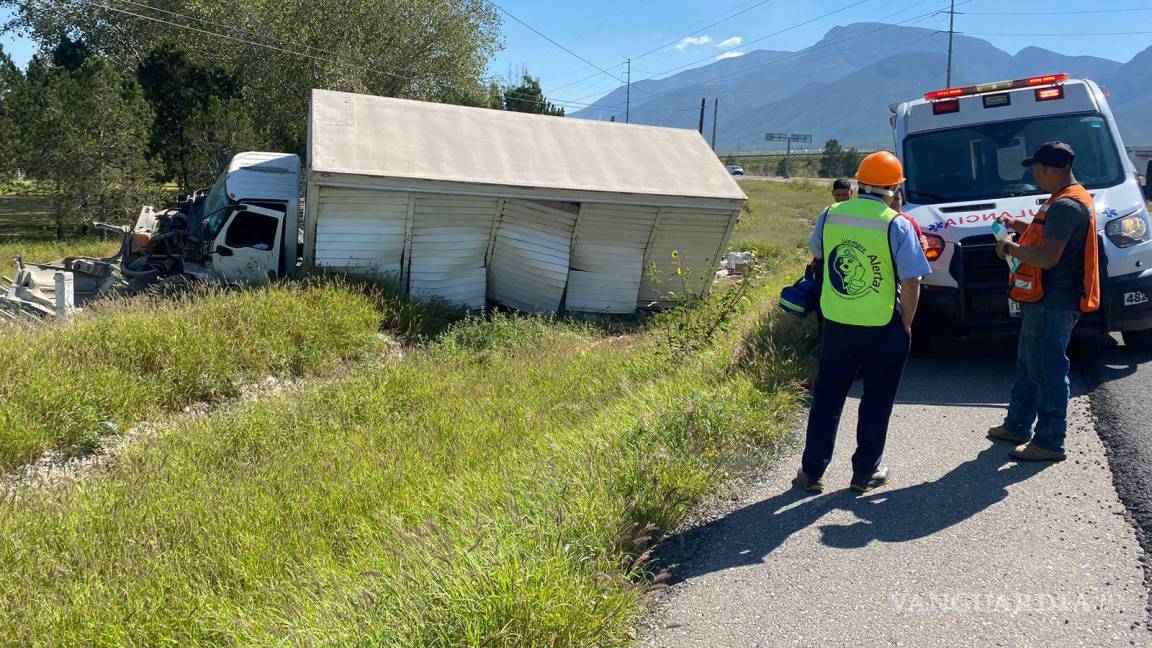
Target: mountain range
842	86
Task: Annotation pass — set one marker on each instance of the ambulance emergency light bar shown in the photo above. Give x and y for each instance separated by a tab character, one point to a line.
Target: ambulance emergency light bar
996	86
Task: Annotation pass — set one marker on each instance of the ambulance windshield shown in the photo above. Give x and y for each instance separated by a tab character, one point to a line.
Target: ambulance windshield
982	161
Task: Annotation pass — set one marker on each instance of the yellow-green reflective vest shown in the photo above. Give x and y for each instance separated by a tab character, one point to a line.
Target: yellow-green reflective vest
859	274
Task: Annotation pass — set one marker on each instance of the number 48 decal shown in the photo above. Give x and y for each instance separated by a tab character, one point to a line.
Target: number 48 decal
1133	298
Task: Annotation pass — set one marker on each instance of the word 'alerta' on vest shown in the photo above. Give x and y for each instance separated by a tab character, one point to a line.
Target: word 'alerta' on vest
849	270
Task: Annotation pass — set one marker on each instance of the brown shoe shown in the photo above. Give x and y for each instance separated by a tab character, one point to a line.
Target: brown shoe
807	483
865	483
1002	433
1033	452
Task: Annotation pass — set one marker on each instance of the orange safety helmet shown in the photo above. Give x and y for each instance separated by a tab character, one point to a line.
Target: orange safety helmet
880	169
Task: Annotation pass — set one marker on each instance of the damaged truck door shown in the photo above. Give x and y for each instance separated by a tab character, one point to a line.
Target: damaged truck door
247	248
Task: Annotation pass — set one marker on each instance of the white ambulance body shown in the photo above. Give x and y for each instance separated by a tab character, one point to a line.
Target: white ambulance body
962	148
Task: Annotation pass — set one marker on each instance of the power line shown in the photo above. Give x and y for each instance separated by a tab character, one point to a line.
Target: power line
763	38
1051	13
1076	34
565	103
804	52
672	42
649	78
550	40
708	26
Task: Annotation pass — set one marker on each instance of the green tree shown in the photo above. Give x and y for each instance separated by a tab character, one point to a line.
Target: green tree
837	162
528	97
83	134
432	50
70	54
214	136
832	161
180	93
782	167
10	80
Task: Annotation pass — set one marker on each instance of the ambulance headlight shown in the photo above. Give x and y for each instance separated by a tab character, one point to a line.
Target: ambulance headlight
1129	230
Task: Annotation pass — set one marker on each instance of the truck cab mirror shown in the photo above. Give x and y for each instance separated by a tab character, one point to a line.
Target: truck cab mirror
223	251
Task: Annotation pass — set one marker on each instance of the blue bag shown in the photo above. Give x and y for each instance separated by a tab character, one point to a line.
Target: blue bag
802	297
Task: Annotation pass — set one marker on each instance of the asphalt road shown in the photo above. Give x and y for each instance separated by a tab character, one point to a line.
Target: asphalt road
1121	397
965	548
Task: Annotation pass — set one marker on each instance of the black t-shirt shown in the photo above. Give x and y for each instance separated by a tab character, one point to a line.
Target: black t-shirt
1067	220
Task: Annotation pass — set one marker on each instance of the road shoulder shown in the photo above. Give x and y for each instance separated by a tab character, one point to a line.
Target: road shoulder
965	548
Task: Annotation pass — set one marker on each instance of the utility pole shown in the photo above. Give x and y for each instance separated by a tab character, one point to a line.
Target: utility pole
703	105
951	33
715	117
628	96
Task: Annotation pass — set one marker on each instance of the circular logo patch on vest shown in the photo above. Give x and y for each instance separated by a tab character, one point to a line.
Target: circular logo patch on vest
852	271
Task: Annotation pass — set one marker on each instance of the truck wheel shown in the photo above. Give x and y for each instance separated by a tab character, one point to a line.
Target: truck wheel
1140	341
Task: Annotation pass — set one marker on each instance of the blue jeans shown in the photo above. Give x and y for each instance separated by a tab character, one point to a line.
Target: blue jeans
1040	395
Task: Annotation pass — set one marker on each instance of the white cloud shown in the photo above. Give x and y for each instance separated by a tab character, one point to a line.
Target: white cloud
728	55
689	41
735	41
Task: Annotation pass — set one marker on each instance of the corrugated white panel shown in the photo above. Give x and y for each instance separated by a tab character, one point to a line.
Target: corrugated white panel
361	231
695	236
608	258
450	236
529	265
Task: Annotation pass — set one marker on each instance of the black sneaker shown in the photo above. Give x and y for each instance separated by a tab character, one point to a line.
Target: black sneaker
807	483
865	483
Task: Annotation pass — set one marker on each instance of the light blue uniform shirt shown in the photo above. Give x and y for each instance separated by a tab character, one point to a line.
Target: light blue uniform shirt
906	251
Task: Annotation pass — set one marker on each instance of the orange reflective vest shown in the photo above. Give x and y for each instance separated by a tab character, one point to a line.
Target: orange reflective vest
1028	280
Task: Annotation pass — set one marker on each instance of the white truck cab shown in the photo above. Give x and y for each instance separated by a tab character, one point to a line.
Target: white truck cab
962	148
246	226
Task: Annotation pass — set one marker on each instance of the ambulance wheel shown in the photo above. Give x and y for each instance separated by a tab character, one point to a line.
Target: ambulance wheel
1140	341
921	343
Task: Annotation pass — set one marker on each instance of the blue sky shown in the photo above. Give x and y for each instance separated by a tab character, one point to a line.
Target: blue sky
662	35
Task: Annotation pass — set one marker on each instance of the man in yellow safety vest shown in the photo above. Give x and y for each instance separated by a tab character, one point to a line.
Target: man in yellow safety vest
872	264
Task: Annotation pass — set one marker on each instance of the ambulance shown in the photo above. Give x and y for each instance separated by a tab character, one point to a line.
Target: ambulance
962	148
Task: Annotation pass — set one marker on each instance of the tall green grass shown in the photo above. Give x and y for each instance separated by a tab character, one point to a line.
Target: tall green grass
66	383
501	487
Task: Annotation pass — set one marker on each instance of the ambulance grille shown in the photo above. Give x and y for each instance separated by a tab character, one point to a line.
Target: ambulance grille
981	265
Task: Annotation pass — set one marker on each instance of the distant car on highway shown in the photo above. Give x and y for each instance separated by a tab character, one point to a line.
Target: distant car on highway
735	169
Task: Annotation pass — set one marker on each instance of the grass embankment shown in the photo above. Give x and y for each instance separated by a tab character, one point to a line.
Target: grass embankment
499	487
124	361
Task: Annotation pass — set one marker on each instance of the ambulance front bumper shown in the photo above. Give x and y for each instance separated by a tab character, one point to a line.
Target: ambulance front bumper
1126	302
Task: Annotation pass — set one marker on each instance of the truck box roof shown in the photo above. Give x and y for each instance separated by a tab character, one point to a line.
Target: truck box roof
397	138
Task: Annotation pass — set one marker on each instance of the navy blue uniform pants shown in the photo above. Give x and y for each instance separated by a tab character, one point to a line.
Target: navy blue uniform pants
879	353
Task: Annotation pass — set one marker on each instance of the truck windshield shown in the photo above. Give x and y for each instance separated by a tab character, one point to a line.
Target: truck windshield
982	161
214	211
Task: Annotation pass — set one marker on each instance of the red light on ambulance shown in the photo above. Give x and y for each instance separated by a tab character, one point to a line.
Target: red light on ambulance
943	94
945	107
934	247
1047	79
1049	94
997	86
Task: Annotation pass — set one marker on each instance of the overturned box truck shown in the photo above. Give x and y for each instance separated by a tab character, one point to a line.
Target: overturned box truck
467	205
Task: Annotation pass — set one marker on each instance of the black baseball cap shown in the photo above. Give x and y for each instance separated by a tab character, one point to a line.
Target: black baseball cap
1052	154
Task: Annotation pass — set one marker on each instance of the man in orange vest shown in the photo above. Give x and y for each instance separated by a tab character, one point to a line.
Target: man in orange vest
1058	279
